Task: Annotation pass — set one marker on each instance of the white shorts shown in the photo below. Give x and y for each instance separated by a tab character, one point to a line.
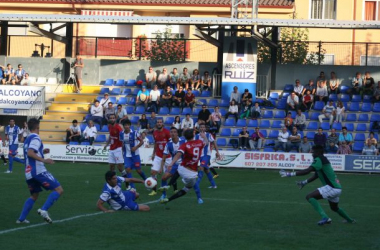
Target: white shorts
115	156
189	178
329	193
157	163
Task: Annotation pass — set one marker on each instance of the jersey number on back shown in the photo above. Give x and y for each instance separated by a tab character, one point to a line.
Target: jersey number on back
196	154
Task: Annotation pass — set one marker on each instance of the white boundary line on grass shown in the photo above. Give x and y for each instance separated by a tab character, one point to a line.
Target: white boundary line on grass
60	221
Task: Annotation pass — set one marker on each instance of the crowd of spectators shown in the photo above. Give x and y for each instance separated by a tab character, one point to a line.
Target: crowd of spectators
10	76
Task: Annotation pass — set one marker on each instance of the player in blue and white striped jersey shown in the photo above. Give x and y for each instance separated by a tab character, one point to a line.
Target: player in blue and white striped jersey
132	141
12	133
37	177
117	198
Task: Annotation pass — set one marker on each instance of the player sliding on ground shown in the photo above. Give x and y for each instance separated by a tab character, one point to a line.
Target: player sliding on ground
117	198
331	189
190	152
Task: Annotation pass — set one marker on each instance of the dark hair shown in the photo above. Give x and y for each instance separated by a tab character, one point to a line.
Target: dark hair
189	134
96	101
371	133
109	116
75	121
187	114
320	128
19	65
127	122
33	123
108	176
174	129
119	105
110	103
179	118
344	128
318	149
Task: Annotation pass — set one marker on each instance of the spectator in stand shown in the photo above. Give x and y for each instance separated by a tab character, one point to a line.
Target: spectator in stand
73	133
150	78
321	77
305	146
166	98
110	110
300	121
310	86
246	110
282	140
320	138
204	115
243	138
177	124
294	140
146	140
205	83
321	94
257	140
184	79
25	131
307	101
187	123
328	112
216	119
143	123
235	95
357	84
154	99
345	137
369	149
245	98
97	113
173	79
179	97
78	68
2	77
332	142
89	133
339	112
292	103
121	114
195	79
104	101
344	149
142	97
376	93
255	111
26	80
189	99
288	122
233	110
9	74
372	139
298	89
152	121
368	84
333	84
19	74
163	79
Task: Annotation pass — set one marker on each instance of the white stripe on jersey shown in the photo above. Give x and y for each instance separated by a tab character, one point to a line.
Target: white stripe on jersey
207	148
12	133
38	167
127	145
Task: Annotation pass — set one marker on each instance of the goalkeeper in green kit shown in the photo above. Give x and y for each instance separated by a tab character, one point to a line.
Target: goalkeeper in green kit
330	190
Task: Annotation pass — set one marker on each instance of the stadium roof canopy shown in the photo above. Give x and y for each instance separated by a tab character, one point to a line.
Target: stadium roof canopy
141	20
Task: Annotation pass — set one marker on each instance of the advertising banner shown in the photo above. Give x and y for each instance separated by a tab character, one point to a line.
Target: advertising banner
363	163
19	97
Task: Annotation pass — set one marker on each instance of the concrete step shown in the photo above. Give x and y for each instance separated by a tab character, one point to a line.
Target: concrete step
62	117
69	107
49	135
75	98
55	126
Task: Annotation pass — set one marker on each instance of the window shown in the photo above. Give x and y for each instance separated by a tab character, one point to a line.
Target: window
371	10
371	60
323	9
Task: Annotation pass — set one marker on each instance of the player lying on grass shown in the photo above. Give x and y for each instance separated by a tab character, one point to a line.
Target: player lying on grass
117	198
331	189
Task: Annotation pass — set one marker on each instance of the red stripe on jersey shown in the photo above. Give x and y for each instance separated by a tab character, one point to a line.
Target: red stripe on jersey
191	153
161	138
114	135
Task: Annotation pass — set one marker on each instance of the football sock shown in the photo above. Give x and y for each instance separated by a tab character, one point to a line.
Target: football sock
197	190
175	188
318	207
53	197
26	209
173	180
211	179
19	160
10	166
3	158
129	175
123	173
342	213
213	171
142	174
177	195
164	183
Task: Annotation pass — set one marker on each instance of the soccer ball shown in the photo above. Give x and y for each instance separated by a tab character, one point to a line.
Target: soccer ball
150	183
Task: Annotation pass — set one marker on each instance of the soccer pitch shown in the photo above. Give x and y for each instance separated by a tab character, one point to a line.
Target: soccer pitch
250	209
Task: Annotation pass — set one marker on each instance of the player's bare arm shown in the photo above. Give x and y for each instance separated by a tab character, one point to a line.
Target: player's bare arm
107	143
33	155
138	145
133	180
99	204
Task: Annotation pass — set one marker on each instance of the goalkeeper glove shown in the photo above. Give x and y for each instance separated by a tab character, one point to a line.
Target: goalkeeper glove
284	173
301	184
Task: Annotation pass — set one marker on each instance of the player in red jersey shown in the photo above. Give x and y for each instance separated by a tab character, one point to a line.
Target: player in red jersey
190	152
161	136
115	156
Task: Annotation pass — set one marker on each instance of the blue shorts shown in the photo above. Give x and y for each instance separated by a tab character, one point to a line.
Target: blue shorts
133	162
205	161
174	169
13	149
130	204
44	180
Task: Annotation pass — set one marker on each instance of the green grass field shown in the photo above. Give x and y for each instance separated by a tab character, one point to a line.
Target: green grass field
249	210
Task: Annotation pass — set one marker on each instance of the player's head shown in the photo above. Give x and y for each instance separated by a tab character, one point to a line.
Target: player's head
34	125
189	134
160	124
111	178
11	122
173	132
202	127
317	150
112	119
127	125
